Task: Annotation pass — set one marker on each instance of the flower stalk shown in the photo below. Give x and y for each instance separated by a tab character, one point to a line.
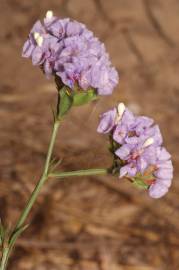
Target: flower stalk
4	258
20	225
42	180
88	172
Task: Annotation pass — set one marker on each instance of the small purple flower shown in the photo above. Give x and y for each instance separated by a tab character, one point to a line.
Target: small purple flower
67	49
110	119
125	128
104	78
139	150
120	133
31	43
74	28
107	121
163	174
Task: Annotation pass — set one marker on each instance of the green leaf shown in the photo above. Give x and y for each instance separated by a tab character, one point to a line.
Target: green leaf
139	183
65	102
83	97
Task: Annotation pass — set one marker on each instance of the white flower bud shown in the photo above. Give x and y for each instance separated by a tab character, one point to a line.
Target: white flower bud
36	35
148	142
49	14
39	41
120	110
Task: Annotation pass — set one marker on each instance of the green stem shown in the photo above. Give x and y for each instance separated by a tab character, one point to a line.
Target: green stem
33	197
79	173
4	259
45	175
42	179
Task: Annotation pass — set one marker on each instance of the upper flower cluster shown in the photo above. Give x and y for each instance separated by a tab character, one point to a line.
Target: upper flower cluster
138	148
69	50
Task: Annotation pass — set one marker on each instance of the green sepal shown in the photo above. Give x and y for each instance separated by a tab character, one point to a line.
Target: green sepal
65	101
138	182
83	97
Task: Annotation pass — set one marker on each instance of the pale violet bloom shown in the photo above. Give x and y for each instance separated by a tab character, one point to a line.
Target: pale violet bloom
107	121
138	146
163	174
67	49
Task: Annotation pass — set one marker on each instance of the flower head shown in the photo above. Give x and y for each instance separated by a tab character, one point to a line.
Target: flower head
163	174
137	148
67	49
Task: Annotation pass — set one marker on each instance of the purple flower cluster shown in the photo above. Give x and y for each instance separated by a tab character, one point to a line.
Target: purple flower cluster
69	50
139	148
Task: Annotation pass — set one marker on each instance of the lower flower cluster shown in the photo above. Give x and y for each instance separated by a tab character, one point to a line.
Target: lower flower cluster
136	144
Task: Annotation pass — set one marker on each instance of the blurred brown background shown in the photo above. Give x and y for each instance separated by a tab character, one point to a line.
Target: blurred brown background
89	223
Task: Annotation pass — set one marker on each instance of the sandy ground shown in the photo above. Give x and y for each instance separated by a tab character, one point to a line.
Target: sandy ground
89	223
